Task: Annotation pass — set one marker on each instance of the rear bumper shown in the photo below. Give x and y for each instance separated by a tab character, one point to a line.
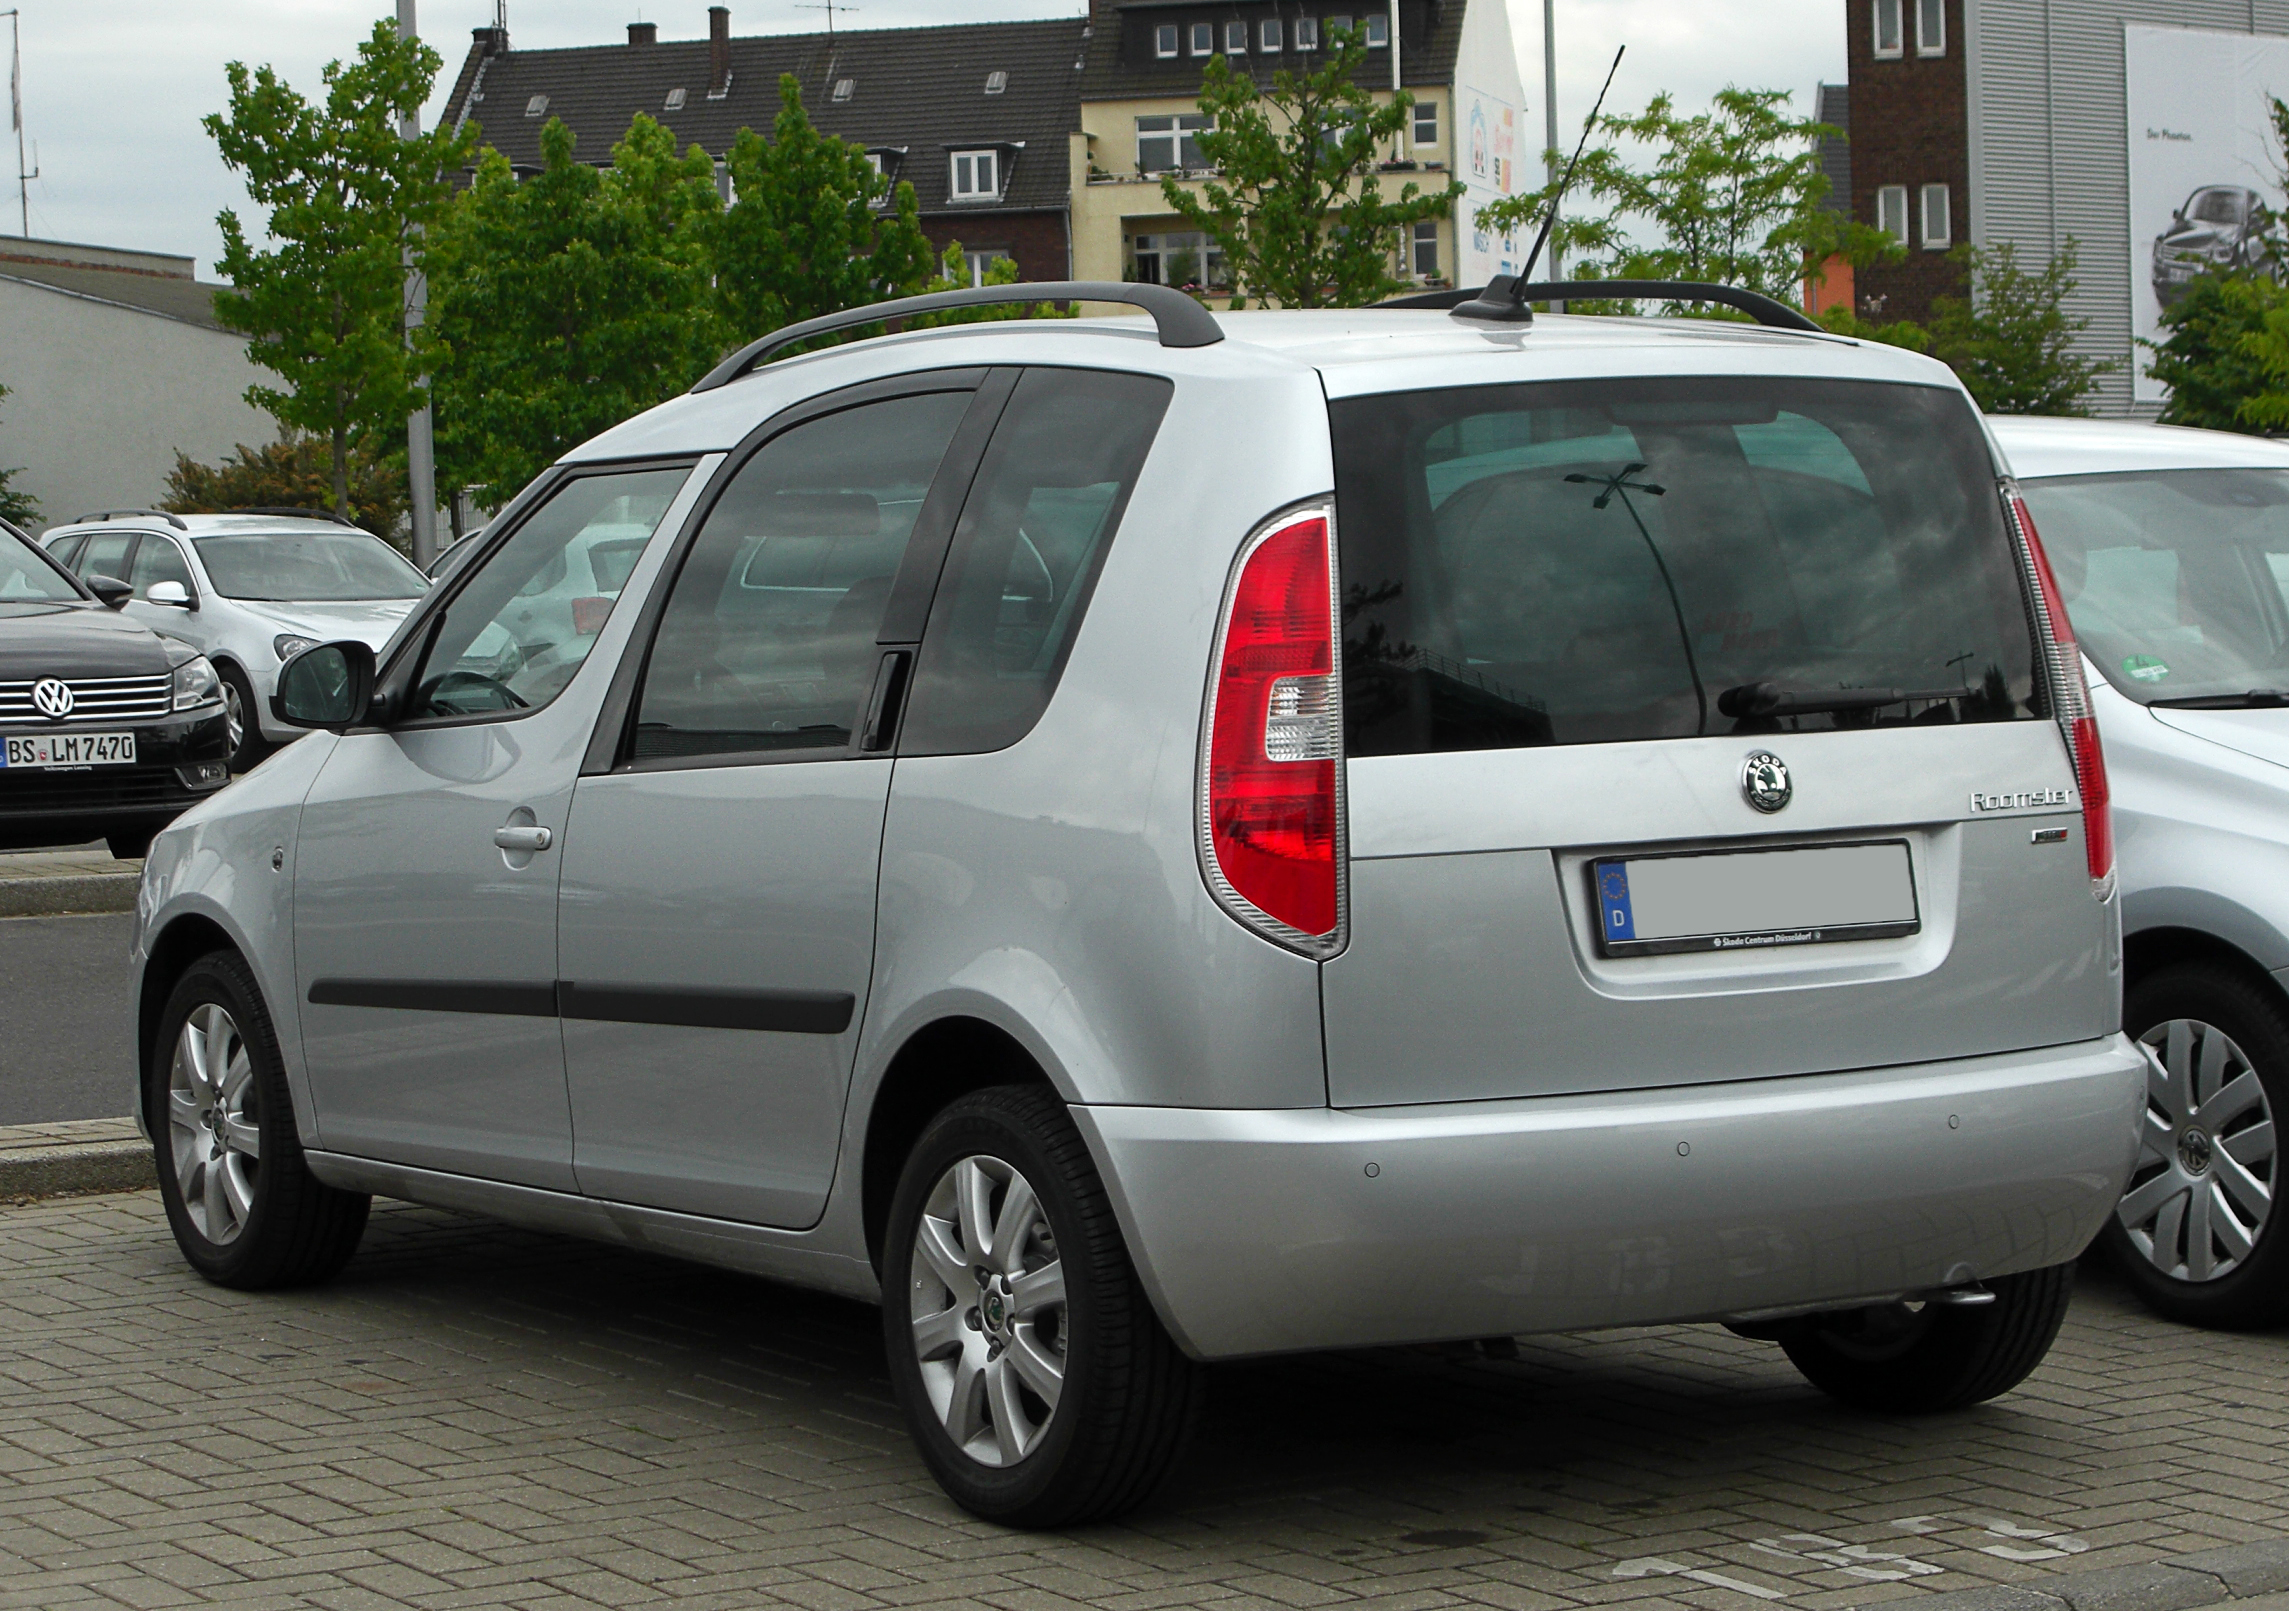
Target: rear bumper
1265	1231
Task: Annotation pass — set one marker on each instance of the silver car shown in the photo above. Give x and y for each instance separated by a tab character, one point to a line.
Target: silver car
249	591
2171	548
1132	844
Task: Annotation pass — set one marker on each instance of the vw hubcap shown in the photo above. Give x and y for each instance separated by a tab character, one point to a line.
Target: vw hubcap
989	1310
212	1124
2203	1188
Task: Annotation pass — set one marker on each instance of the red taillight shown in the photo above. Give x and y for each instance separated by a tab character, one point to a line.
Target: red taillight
2070	702
1270	815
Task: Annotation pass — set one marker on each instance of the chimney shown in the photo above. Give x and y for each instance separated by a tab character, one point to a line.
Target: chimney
718	52
491	41
643	33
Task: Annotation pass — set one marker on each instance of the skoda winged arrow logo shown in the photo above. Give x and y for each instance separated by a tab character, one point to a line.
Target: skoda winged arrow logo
52	698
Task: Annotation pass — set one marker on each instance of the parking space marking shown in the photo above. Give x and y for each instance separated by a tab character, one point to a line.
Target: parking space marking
1655	1566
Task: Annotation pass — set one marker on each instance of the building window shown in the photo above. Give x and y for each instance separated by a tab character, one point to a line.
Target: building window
1378	30
676	99
1887	27
996	82
980	263
1164	41
1427	249
1931	27
1204	38
536	106
1171	144
1339	24
1270	36
1307	33
977	175
1179	259
1936	231
845	88
1891	212
1235	39
1426	123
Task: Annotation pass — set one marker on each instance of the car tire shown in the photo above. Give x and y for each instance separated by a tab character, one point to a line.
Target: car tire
2197	1233
1917	1359
245	1209
973	1332
132	844
248	747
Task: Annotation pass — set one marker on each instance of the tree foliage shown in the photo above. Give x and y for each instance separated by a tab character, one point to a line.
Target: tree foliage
1733	196
15	503
2206	356
813	227
954	275
295	472
567	301
344	196
1296	203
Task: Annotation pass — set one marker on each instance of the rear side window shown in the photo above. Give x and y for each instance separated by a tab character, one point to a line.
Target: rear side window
1025	556
1594	562
105	555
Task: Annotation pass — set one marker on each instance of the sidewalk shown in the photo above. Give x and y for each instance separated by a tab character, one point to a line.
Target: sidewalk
47	883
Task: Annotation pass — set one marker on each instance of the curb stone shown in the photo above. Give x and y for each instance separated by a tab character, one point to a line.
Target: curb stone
2179	1583
78	1156
57	897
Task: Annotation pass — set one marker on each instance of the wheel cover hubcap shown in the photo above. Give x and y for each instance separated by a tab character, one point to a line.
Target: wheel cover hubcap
988	1310
214	1130
2202	1191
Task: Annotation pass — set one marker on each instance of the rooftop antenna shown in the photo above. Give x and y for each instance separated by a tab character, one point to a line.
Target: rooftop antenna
830	7
24	175
1503	297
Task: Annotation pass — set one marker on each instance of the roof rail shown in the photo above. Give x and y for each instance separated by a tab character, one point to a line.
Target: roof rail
1182	322
1505	300
298	514
114	514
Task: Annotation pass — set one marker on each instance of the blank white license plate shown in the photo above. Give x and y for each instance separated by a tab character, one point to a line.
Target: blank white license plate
49	751
1752	899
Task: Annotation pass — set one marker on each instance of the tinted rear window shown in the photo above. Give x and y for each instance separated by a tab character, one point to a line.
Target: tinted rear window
1593	562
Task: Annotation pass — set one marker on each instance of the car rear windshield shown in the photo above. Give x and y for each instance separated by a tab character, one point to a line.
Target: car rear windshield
1598	561
309	567
2177	581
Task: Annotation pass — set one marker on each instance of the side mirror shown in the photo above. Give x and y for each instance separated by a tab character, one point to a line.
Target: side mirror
110	591
174	593
329	686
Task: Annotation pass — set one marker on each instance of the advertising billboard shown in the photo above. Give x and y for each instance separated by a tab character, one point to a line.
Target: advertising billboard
2205	185
1489	130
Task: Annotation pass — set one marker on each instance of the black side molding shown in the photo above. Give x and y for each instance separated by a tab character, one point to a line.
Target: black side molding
790	1012
507	999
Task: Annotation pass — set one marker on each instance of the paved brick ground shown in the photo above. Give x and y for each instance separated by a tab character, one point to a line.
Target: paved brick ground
475	1416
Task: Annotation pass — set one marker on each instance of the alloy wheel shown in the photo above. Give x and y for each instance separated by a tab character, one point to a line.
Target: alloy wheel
213	1128
989	1310
2202	1190
234	715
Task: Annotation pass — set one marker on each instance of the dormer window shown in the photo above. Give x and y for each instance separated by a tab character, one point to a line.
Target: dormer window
1270	35
536	106
1307	33
1203	39
675	102
1164	41
1235	39
976	176
996	82
845	88
1378	30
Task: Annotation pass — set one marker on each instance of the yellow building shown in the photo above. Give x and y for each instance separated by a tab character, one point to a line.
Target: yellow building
1140	120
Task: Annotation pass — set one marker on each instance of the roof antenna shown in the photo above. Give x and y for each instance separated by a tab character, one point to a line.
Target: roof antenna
1504	298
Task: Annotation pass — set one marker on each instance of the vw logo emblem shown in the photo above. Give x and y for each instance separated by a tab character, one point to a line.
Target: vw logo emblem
1764	779
52	698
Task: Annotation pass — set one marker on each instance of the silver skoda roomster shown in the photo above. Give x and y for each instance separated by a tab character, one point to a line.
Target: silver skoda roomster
1137	843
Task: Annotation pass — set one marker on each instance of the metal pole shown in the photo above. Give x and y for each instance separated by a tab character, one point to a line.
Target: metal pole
420	443
24	175
1550	124
1406	128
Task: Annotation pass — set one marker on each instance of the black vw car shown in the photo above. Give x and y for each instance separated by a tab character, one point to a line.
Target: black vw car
107	730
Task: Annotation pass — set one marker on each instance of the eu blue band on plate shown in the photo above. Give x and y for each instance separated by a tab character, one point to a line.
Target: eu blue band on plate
1613	901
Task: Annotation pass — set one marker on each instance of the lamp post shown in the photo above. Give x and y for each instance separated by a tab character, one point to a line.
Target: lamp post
420	443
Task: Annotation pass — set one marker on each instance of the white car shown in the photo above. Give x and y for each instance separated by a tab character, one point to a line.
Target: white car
250	590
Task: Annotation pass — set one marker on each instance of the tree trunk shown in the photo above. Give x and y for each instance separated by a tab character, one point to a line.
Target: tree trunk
341	471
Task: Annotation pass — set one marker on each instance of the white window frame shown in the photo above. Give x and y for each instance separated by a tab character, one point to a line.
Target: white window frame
1892	211
1934	199
1426	235
1177	128
1426	123
1269	37
1378	31
978	262
1167	37
675	100
1340	21
1235	39
997	81
1935	43
1881	12
980	159
1203	40
1307	33
844	89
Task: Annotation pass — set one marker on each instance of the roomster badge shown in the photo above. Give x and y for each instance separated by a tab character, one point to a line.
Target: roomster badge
1764	780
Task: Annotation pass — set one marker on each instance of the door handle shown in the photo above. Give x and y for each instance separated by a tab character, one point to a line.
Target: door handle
515	837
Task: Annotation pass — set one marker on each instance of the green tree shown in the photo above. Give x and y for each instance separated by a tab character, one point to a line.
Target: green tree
293	473
1733	196
345	196
15	503
564	302
813	227
1296	202
2206	359
954	275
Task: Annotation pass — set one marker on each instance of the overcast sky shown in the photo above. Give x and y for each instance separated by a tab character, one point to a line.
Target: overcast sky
114	89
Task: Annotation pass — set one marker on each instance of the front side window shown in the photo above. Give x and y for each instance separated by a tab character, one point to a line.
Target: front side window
1025	555
315	567
1936	225
1603	561
1164	40
157	559
1891	212
1931	27
1203	39
1887	27
767	643
977	175
26	576
2177	581
525	620
1171	143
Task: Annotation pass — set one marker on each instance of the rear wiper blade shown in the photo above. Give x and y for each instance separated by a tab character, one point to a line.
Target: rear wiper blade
2255	699
1773	699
